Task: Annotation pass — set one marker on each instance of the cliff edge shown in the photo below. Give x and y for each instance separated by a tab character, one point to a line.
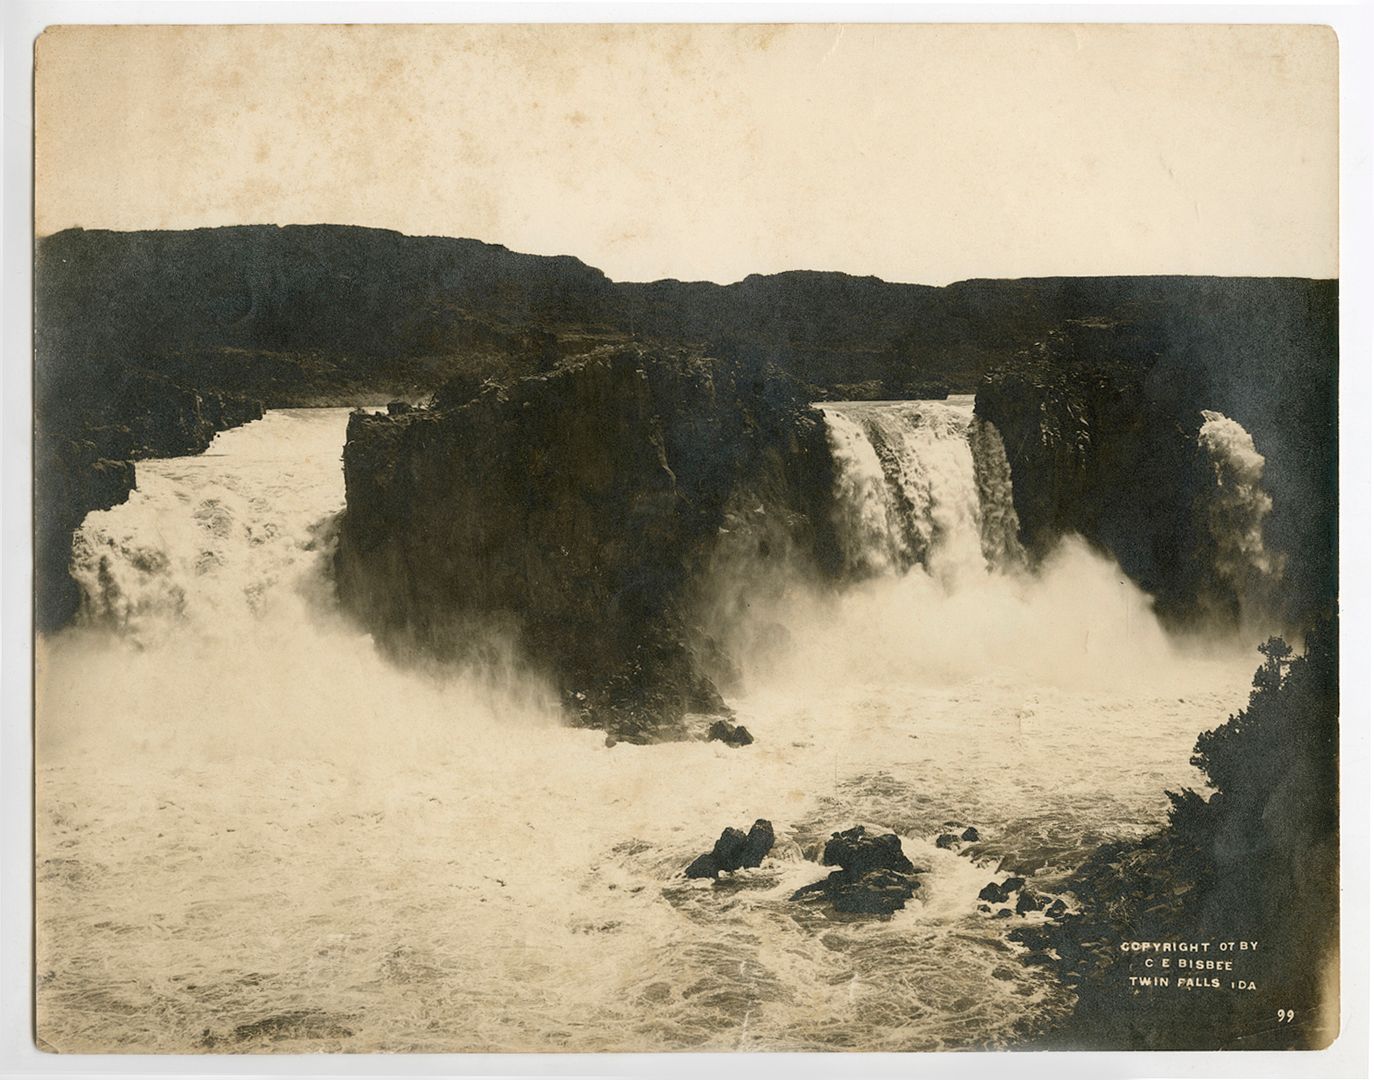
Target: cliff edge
574	514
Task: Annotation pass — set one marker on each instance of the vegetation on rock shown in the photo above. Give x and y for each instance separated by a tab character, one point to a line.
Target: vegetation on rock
1255	862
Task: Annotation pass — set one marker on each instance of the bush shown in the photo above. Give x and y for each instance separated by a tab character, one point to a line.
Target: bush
1257	860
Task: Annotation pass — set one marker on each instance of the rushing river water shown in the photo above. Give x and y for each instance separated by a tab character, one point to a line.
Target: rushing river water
254	833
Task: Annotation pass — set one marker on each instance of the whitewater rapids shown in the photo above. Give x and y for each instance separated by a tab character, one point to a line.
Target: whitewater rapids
254	833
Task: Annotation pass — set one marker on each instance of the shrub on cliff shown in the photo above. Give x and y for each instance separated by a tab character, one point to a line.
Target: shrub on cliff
1256	861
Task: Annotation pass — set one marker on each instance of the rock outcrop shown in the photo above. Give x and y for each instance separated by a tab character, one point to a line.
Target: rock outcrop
735	850
1101	422
573	513
875	876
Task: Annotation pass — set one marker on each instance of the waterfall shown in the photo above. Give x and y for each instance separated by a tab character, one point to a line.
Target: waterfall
922	483
205	548
1236	513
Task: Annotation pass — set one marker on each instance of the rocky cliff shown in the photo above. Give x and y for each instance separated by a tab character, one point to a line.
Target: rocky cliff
302	315
1103	434
310	314
575	514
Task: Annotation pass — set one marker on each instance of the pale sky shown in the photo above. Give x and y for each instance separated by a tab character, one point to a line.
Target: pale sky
916	153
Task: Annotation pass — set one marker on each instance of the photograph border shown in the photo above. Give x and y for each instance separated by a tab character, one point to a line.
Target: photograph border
24	19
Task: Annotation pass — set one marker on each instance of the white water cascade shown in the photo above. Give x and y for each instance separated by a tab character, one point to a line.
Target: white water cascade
922	483
254	833
1237	512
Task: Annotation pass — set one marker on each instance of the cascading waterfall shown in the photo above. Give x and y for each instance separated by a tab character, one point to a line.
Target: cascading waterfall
1236	513
922	483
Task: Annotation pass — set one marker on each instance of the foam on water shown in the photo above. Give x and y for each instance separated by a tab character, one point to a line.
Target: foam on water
254	833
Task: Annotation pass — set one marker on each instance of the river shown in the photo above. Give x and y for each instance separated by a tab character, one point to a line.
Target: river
255	833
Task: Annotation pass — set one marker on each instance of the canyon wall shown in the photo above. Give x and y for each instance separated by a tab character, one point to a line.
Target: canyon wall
1205	463
573	515
148	342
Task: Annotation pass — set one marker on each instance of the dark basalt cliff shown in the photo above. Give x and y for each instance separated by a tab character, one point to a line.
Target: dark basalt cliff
576	513
313	314
1101	424
1091	455
218	320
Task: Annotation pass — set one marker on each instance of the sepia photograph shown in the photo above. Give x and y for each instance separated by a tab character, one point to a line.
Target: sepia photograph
563	538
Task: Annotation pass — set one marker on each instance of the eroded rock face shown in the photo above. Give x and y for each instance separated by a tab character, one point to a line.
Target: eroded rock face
573	513
1091	453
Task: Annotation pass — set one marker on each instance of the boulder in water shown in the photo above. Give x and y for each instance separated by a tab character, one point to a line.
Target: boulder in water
946	840
879	892
758	843
970	834
734	850
875	877
729	849
856	851
994	893
1057	909
1000	894
1029	901
730	734
703	866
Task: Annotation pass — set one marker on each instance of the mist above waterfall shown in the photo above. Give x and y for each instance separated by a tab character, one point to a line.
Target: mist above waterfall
940	590
208	619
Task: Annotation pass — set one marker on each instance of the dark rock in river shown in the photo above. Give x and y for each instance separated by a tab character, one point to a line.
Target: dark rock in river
875	877
970	834
994	893
735	850
946	840
703	866
1057	909
1029	901
857	851
1000	893
730	734
758	843
729	849
879	892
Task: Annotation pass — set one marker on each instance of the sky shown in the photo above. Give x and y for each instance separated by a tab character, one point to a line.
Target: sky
917	153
